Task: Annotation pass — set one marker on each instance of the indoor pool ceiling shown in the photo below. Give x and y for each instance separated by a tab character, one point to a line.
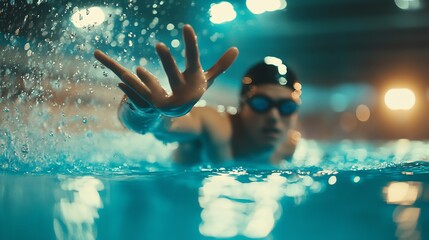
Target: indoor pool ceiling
327	41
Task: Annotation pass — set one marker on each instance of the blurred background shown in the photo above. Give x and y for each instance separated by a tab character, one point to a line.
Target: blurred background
363	64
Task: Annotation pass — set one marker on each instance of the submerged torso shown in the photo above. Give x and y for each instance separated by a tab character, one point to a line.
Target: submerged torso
226	144
214	144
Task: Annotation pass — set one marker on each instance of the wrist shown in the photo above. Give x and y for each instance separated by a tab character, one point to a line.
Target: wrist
138	119
149	110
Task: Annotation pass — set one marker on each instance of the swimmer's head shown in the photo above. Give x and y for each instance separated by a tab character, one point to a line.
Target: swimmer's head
270	95
269	71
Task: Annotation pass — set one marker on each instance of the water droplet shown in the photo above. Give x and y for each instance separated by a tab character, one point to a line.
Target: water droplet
85	120
89	134
5	109
25	149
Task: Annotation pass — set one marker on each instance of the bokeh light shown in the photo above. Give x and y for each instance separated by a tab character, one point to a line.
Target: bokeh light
175	43
261	6
332	180
222	12
93	16
402	193
399	99
363	113
408	4
339	102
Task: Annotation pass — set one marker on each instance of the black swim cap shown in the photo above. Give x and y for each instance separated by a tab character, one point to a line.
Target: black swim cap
269	71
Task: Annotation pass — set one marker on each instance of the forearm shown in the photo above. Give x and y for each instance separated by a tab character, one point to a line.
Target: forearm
167	129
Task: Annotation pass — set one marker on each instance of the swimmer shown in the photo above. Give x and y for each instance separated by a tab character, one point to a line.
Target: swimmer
262	130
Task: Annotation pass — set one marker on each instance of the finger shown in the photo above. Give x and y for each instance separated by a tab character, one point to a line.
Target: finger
191	48
135	98
149	80
136	85
126	76
169	64
117	68
222	64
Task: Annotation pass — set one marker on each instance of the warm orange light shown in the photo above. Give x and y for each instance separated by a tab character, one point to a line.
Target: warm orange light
399	99
403	193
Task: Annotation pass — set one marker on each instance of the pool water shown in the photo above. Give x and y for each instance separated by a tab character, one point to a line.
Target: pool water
330	190
69	170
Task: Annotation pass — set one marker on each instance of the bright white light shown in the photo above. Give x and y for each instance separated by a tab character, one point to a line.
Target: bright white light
282	81
231	110
282	69
93	16
260	225
222	12
255	6
201	103
231	208
272	60
399	99
408	4
261	6
356	179
332	180
170	26
175	43
276	62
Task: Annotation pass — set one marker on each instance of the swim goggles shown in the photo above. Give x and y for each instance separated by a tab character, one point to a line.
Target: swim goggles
262	103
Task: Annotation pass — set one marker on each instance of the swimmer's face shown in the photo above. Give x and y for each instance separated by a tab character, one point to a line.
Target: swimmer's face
268	128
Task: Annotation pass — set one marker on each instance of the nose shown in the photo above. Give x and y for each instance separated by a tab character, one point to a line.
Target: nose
274	115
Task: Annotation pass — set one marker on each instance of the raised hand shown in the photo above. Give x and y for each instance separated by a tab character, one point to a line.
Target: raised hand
187	87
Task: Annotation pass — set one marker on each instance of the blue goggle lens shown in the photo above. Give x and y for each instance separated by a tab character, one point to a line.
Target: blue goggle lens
261	104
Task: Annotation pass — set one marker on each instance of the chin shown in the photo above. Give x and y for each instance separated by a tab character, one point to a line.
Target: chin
268	144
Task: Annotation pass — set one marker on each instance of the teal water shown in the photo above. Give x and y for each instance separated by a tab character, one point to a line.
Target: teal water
330	190
63	177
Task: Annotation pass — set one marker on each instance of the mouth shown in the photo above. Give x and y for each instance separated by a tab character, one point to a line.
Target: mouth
271	132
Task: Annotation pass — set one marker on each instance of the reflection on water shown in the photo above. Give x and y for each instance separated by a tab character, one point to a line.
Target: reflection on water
406	216
75	212
406	219
232	203
237	203
402	193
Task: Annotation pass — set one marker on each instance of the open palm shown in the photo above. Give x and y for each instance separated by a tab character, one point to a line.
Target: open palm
144	90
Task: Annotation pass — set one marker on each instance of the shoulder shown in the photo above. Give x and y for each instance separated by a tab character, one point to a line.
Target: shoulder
215	123
209	113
